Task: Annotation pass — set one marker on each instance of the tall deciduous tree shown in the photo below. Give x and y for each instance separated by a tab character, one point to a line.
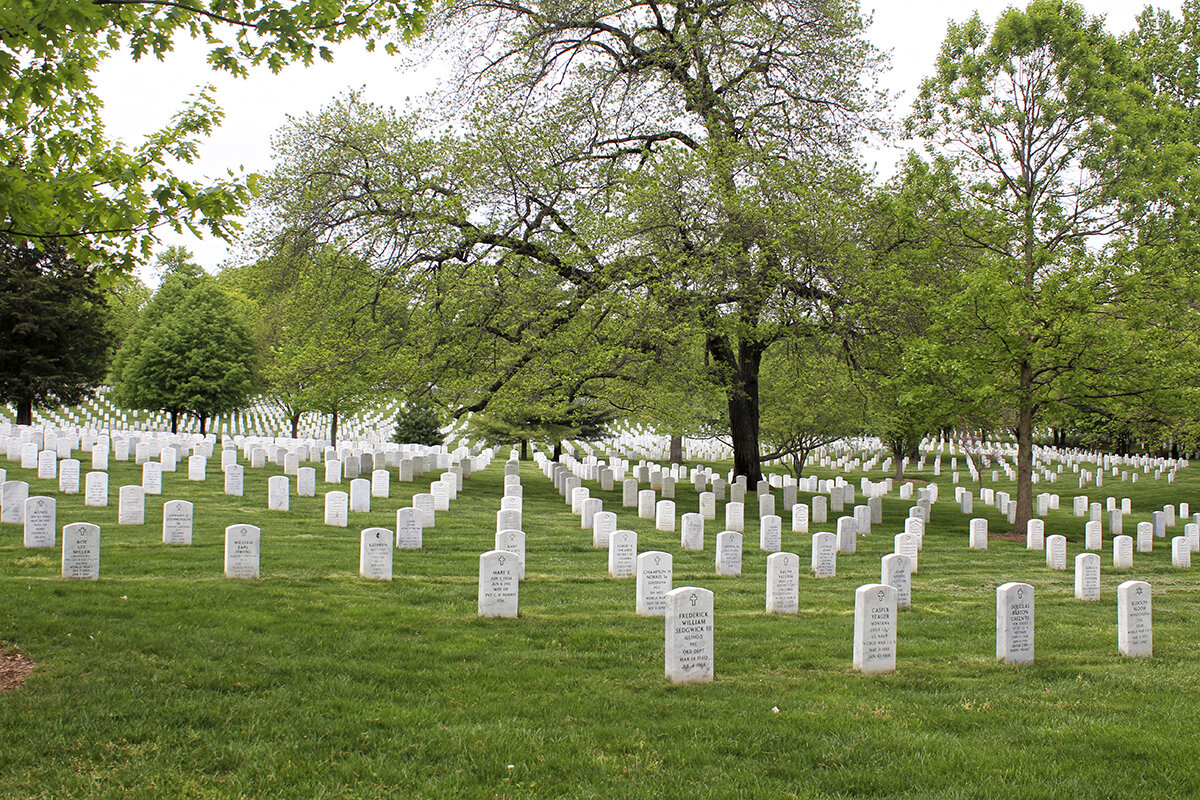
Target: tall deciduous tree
54	329
1029	111
634	168
65	182
192	352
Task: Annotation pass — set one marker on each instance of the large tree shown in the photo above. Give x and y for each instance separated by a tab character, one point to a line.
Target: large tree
191	352
1032	112
66	183
633	169
54	329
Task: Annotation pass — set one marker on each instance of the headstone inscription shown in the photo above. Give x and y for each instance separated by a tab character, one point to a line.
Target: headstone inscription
81	551
689	641
875	606
1014	623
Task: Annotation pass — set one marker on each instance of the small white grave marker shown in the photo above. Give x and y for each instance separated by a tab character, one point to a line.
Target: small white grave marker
824	555
337	509
242	551
81	551
783	583
875	609
1087	576
654	576
622	552
375	554
1014	623
498	584
177	522
689	635
95	489
278	491
131	505
513	541
729	553
41	521
1135	632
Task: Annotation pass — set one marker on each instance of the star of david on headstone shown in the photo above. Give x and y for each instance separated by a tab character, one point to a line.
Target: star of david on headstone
1139	590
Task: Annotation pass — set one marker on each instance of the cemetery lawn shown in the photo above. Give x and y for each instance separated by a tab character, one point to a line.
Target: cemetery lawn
164	679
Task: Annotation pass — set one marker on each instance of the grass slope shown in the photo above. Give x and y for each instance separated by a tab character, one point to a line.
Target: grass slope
164	679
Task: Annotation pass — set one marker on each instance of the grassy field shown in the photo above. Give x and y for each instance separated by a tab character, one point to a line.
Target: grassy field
164	679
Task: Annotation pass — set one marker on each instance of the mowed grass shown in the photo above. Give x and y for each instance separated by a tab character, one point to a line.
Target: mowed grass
164	679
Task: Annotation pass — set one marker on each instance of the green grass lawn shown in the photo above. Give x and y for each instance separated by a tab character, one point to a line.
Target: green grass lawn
164	679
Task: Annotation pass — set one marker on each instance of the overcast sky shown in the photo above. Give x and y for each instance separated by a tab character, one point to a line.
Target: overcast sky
141	97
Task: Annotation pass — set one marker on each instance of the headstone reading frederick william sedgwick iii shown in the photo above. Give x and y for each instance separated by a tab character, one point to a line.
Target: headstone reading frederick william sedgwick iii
689	635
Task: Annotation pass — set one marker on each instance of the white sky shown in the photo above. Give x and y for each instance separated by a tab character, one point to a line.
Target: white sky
141	97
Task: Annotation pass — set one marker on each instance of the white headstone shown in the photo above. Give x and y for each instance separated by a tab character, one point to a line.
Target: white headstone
646	504
423	501
408	529
381	483
1123	552
664	516
770	533
177	522
278	492
234	479
692	537
895	570
41	521
131	505
1145	537
68	476
847	535
1181	552
1087	576
729	553
708	505
799	518
783	583
820	510
875	606
375	554
333	471
152	477
689	635
1135	631
735	518
95	489
979	534
499	584
1093	537
360	495
1035	534
242	544
337	509
622	551
81	551
906	544
306	482
508	519
824	554
1014	623
47	465
513	541
603	525
654	571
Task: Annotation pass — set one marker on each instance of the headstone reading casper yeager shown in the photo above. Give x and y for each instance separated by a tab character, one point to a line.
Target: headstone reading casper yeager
375	554
242	551
875	628
689	635
1135	635
81	551
498	584
1014	623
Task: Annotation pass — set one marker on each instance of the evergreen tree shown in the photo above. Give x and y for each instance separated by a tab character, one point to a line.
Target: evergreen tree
417	423
54	333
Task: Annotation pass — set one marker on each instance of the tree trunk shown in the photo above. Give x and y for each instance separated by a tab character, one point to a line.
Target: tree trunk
333	425
174	422
24	412
676	449
557	451
295	424
740	373
203	424
524	449
1024	452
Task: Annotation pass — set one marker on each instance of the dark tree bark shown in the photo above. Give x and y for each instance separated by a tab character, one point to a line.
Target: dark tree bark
25	412
676	449
295	418
333	429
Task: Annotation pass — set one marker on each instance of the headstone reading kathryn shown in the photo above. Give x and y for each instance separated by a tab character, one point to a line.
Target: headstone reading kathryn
242	543
622	552
1135	632
81	551
375	554
498	584
654	575
729	553
1014	623
783	583
689	635
41	521
875	608
177	522
131	505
